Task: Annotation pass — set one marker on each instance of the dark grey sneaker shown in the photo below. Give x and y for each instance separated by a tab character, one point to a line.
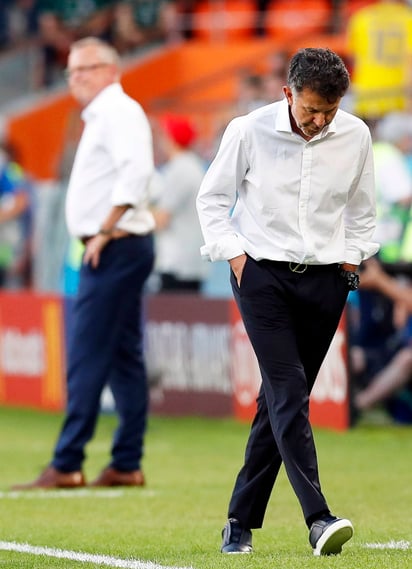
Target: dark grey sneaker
235	538
327	535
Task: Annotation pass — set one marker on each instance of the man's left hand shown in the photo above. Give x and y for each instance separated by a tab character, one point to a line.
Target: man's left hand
93	249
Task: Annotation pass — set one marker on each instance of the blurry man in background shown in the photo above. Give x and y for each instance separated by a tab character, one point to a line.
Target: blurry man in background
106	208
179	237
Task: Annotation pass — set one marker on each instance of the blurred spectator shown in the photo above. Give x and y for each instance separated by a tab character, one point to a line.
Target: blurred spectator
139	22
4	23
273	87
392	384
261	7
60	23
250	93
55	41
275	77
79	17
379	347
57	257
255	89
15	228
336	19
374	335
380	48
374	277
178	235
391	147
18	21
277	63
186	10
68	251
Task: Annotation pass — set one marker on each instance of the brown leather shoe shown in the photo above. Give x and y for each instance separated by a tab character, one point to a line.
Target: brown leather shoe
53	478
112	477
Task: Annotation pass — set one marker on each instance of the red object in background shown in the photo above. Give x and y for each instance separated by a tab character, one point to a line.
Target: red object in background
329	402
245	373
31	351
197	350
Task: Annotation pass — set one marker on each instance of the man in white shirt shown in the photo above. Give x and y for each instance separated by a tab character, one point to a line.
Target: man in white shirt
299	176
178	236
106	208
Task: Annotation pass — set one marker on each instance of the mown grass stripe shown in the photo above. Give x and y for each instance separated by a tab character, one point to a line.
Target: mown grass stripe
102	560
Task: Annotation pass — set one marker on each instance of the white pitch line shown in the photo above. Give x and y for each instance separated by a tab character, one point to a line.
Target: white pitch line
389	545
77	493
13	494
82	557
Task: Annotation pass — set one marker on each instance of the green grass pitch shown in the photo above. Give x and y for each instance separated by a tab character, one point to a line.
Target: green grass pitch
175	521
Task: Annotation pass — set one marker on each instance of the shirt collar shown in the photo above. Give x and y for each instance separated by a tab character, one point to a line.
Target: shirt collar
101	100
282	118
283	121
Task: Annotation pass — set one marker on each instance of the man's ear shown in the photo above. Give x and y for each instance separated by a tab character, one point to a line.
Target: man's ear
288	94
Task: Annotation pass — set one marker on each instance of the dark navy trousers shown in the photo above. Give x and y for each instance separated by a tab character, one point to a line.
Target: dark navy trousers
106	347
290	318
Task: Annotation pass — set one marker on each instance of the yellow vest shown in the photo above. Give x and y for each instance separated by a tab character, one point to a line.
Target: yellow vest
380	43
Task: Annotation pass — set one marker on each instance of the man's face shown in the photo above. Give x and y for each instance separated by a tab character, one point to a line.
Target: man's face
88	73
310	112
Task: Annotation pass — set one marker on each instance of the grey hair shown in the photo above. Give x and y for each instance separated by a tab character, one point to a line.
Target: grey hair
108	52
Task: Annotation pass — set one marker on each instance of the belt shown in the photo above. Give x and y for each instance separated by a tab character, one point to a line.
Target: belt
298	267
116	234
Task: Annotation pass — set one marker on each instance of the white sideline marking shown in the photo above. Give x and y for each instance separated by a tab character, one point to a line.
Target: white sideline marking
82	557
77	493
389	545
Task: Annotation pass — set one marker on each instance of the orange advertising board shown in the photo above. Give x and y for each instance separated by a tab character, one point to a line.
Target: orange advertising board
31	351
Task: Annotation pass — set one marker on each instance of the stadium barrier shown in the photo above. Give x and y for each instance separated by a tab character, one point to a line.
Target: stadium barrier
199	359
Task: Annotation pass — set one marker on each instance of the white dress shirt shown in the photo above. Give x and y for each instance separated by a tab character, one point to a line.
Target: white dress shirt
178	244
113	165
305	202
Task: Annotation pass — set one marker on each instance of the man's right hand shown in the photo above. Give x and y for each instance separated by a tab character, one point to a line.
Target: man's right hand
237	265
93	249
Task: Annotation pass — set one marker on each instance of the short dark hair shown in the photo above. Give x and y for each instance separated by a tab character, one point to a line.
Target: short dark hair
321	70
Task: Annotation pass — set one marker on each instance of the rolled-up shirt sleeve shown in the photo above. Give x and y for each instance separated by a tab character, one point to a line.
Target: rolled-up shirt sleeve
131	152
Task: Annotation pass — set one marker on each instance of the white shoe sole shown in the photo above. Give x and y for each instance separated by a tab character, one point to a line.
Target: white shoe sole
331	541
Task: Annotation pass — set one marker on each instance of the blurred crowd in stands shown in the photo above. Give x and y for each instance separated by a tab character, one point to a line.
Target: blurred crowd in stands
35	250
132	24
53	25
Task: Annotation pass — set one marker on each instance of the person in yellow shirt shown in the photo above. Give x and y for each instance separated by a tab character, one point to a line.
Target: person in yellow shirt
379	46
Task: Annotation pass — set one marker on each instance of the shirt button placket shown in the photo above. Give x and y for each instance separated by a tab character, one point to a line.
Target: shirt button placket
305	192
